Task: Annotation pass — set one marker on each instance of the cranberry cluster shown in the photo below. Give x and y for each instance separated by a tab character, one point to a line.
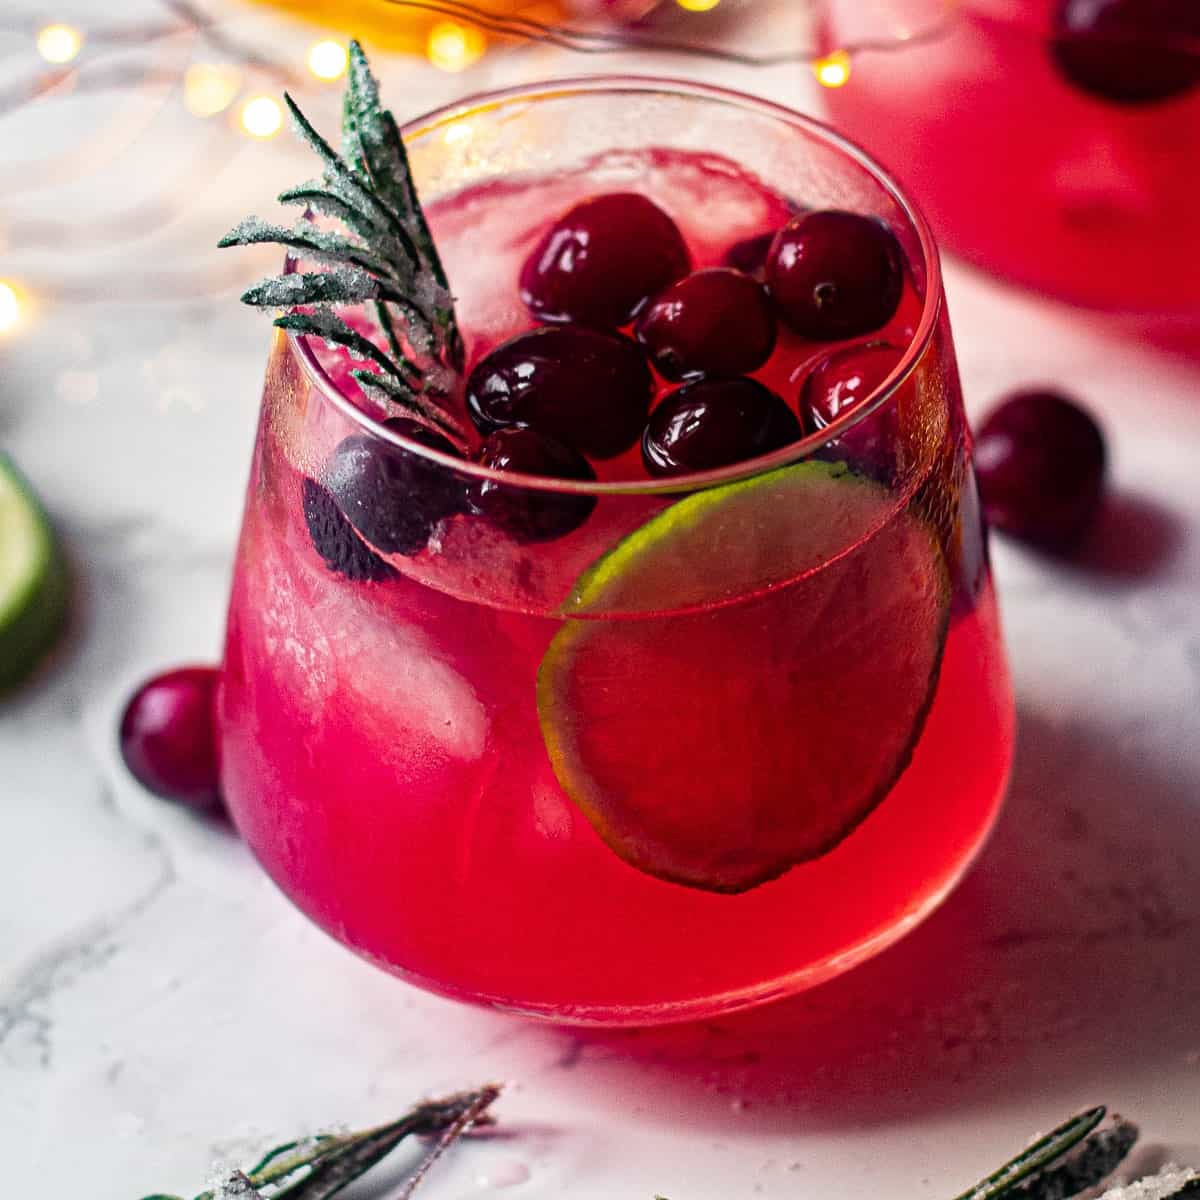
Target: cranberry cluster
632	347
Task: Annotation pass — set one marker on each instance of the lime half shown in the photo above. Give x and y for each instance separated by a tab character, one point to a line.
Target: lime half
33	579
721	746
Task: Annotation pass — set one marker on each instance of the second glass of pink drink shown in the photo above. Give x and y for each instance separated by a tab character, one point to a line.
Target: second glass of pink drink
1055	142
667	680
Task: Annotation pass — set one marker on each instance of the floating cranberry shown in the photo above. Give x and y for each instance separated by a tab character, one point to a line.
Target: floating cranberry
602	259
531	514
1128	51
394	497
168	738
750	254
838	384
714	423
579	386
335	539
841	380
1040	462
835	274
715	322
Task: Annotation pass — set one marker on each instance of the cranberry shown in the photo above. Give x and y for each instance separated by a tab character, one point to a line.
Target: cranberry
713	423
715	322
601	260
168	739
394	497
844	378
750	254
1040	462
529	514
581	387
334	539
835	274
841	381
1128	51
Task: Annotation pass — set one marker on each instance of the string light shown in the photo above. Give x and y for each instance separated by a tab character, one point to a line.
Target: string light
833	70
262	117
697	5
457	132
59	43
454	47
328	59
10	307
209	88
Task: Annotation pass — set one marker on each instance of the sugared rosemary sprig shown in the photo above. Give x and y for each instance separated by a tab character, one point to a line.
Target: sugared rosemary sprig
1075	1156
319	1167
383	255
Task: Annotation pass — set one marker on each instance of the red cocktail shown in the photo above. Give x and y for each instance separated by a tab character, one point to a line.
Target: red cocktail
640	701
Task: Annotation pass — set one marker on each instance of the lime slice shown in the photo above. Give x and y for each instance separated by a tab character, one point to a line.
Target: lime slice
33	579
721	746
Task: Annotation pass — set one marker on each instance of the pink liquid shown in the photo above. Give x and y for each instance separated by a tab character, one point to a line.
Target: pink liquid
382	755
1019	170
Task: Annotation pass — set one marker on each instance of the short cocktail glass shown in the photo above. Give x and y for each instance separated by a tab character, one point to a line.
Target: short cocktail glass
731	734
1061	160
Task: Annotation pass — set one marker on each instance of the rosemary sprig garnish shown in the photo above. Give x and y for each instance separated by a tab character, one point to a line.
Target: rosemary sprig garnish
319	1167
384	255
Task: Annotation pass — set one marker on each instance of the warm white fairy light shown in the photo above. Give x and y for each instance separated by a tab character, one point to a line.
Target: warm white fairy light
328	59
833	70
210	88
458	133
262	116
59	43
10	307
454	47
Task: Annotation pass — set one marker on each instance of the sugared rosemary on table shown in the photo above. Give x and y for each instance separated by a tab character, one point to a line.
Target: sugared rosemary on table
383	255
318	1167
1078	1155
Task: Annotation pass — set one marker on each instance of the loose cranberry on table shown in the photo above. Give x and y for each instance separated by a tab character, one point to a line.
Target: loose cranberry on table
168	739
835	274
600	261
530	514
714	322
582	387
1040	462
713	423
1128	51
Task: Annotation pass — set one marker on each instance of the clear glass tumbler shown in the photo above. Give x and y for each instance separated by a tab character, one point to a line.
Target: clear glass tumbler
729	735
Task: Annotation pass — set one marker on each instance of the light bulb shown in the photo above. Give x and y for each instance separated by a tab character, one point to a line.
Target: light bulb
328	59
833	70
59	43
262	117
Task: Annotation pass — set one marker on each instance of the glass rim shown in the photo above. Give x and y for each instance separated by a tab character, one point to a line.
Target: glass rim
796	451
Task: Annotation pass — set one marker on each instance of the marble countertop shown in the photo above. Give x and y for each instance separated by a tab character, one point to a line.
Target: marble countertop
162	1007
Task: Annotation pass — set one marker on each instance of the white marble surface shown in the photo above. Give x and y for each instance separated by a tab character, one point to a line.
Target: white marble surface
162	1007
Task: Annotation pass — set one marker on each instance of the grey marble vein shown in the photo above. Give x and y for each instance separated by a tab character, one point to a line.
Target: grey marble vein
26	1001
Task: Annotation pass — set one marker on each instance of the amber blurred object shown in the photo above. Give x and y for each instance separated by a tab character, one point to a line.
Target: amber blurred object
391	26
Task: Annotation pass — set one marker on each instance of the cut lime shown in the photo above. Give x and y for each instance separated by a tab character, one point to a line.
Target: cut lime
720	747
33	579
